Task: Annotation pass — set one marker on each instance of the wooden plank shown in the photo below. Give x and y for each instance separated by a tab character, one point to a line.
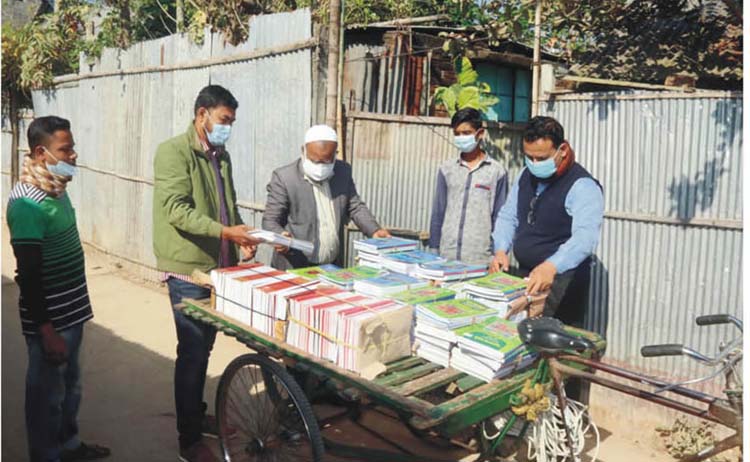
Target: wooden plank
404	363
397	378
623	83
258	340
429	382
469	383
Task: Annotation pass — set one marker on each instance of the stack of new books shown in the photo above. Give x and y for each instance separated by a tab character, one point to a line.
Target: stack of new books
449	271
357	332
387	284
344	278
490	349
407	262
435	322
495	290
370	252
256	295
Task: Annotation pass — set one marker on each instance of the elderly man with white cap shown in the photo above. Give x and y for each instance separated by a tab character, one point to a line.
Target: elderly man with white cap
313	198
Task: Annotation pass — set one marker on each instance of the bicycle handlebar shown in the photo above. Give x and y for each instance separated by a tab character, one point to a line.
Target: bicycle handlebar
710	319
669	349
674	349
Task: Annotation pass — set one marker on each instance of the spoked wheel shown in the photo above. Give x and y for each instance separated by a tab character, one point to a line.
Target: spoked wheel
263	414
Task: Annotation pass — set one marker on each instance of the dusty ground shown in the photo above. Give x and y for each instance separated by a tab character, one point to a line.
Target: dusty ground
128	356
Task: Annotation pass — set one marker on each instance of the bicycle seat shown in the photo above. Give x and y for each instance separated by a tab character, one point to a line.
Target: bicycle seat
548	334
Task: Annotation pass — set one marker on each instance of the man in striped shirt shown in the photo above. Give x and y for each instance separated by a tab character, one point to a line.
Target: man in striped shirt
54	301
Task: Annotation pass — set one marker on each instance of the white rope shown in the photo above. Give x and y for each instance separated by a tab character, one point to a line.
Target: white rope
548	439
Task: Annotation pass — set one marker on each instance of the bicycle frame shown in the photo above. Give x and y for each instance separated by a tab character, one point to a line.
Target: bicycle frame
726	412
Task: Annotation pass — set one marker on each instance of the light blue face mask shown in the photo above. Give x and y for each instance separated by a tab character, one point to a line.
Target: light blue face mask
465	143
60	168
543	168
219	135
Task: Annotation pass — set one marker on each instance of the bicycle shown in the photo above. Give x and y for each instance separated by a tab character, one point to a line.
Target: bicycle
560	354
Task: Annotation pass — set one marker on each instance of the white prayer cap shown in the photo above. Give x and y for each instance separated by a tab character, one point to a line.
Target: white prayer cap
320	133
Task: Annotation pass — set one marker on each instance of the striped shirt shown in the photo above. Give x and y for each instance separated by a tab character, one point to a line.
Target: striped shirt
38	219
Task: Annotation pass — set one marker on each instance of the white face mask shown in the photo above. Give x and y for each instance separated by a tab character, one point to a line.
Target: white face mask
317	171
61	168
465	143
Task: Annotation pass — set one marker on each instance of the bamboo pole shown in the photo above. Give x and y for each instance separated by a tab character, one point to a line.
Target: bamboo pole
537	59
334	39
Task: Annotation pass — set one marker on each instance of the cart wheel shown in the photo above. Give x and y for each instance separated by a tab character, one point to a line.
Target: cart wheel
263	414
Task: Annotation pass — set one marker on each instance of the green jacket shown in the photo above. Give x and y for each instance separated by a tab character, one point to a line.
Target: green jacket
187	224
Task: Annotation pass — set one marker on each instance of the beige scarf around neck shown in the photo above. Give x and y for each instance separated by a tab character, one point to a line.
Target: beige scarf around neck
36	174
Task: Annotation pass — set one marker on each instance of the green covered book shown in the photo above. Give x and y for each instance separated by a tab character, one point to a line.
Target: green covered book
345	277
452	314
424	295
499	282
314	272
492	335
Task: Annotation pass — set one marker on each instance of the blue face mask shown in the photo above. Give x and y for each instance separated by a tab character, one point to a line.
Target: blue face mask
60	168
543	168
219	135
465	143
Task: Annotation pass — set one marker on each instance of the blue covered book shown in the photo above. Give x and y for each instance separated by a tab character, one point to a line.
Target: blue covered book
449	271
389	283
406	262
384	245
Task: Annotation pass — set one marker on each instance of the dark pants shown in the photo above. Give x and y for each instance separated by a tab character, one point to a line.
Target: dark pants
568	297
568	301
53	395
194	343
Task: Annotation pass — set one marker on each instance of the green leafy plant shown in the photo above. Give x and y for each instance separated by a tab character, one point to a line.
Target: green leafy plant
468	91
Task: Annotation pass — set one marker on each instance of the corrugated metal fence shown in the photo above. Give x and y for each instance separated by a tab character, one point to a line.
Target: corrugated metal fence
123	107
671	170
671	245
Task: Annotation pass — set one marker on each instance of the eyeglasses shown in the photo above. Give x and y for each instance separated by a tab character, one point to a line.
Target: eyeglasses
531	217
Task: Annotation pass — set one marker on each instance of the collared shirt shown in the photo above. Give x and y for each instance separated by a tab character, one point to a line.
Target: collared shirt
328	226
584	203
466	203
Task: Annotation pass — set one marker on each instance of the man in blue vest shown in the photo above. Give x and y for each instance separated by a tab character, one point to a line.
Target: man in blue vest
552	220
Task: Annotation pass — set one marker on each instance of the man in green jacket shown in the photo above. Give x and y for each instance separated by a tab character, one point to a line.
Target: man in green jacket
196	226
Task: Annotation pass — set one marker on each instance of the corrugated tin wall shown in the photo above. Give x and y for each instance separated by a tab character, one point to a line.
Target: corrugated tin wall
671	245
118	121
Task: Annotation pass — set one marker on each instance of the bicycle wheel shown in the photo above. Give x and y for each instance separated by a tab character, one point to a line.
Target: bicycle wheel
263	415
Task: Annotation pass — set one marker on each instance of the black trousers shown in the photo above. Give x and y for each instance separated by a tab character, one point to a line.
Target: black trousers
568	302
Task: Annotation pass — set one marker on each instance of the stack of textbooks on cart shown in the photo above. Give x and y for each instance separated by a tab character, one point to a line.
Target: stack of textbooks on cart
495	290
354	331
445	271
370	252
387	284
490	349
435	323
407	262
257	295
344	278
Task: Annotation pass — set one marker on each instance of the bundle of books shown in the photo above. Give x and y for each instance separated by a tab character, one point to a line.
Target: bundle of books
407	262
387	284
435	322
490	349
495	290
257	295
370	252
344	278
449	271
357	332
